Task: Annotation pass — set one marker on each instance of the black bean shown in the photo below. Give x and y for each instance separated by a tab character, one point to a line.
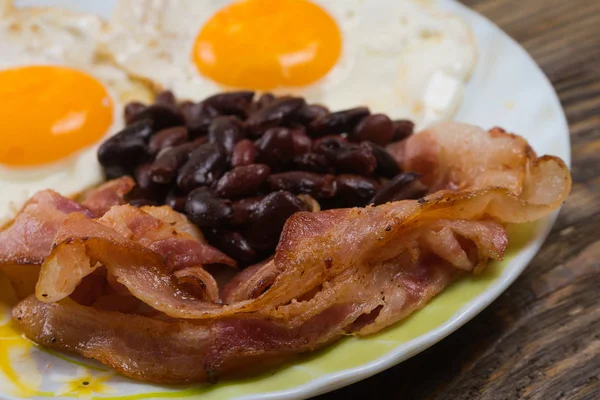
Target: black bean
231	103
356	159
377	128
301	142
312	162
176	200
162	116
166	98
115	171
167	164
276	147
226	131
132	110
403	128
123	151
317	185
142	202
269	217
329	146
355	190
337	122
244	153
242	181
310	112
264	100
137	130
243	209
386	164
405	186
146	187
198	117
278	112
233	244
207	210
168	137
205	165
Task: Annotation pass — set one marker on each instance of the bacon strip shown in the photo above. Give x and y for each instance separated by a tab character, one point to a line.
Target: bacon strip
99	200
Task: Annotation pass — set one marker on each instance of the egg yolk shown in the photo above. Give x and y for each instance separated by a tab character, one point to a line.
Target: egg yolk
49	112
264	44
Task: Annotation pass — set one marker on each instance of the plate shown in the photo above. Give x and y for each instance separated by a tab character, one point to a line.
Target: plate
507	89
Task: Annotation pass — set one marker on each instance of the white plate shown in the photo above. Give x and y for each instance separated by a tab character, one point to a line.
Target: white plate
507	89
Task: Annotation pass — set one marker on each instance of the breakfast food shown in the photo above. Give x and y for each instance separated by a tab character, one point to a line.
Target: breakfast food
238	165
131	289
58	102
408	59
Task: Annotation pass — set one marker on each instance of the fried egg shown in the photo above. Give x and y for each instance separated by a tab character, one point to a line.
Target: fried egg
58	101
404	58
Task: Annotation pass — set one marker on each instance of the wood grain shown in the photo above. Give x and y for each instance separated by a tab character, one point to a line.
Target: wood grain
541	338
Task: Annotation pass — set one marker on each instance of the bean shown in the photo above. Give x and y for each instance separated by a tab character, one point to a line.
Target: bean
276	113
244	153
312	162
243	209
226	132
231	103
167	164
128	147
269	217
205	165
207	210
329	146
233	244
316	185
355	190
242	181
264	100
275	147
356	159
337	122
115	171
386	164
142	202
301	142
132	110
146	187
403	128
198	117
166	98
162	116
176	201
377	128
405	186
167	138
311	203
310	112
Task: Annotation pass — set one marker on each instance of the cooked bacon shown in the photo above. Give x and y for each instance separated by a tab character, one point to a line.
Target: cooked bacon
251	282
28	239
99	200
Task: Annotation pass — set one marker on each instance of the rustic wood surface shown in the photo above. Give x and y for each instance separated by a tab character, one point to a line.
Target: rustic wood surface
541	338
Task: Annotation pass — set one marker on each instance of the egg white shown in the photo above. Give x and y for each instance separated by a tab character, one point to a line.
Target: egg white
48	36
404	58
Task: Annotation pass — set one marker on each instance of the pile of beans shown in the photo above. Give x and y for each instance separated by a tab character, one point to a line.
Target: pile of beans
239	166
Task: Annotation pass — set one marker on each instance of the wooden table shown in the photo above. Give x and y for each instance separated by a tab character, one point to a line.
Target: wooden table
541	338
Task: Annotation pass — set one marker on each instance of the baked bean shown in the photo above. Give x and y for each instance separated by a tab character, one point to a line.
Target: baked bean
205	165
233	244
338	122
386	164
244	153
278	112
403	128
377	128
226	131
312	162
242	181
275	147
231	103
267	221
405	186
316	185
168	137
207	210
355	190
166	166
